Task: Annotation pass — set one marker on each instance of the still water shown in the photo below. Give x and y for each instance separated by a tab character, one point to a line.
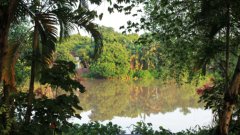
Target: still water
125	103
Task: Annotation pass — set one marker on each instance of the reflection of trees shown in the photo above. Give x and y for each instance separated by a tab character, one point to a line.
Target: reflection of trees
109	98
105	98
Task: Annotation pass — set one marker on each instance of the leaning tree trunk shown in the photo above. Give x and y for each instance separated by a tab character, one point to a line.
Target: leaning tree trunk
33	72
230	99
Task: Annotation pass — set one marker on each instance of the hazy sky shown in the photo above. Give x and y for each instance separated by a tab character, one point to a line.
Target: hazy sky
114	20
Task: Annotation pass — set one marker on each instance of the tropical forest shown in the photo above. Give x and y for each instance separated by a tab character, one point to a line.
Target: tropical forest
118	67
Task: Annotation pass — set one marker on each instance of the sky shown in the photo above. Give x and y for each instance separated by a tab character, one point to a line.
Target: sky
114	20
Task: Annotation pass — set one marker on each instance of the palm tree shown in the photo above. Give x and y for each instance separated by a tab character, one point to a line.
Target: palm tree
46	15
45	31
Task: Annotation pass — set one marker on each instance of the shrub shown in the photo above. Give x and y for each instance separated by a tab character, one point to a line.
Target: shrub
94	128
143	74
113	62
140	128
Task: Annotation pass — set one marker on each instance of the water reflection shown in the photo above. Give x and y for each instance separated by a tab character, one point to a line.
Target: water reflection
125	103
108	98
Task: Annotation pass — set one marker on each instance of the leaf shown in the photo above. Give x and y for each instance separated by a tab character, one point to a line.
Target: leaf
78	116
110	10
134	15
121	27
101	16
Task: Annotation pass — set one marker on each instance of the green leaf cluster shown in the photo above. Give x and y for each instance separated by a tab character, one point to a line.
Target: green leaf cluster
113	62
94	128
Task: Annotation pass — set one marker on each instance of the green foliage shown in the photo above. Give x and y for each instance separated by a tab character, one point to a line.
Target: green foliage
119	52
22	73
113	62
187	33
146	129
143	74
4	129
140	128
213	98
110	36
47	112
94	128
199	37
146	53
76	45
46	16
20	35
64	70
50	114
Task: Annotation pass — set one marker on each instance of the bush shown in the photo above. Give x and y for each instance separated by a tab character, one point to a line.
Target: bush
155	73
113	62
94	128
143	74
49	115
140	128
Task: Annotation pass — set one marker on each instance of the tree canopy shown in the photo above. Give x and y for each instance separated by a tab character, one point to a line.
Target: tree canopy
187	38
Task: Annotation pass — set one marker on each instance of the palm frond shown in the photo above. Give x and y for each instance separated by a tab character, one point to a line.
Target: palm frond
92	29
83	4
83	19
64	15
48	33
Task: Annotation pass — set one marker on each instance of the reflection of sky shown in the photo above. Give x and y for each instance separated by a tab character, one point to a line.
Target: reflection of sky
174	121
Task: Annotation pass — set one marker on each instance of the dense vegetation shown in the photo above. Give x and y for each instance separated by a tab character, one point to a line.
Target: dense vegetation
185	39
123	56
28	36
141	128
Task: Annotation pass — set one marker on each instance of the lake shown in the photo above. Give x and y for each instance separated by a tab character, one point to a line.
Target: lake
127	102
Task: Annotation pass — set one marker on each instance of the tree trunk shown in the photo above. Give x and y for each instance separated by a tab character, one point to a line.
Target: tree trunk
6	18
227	46
230	99
231	91
4	28
6	90
5	115
33	71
